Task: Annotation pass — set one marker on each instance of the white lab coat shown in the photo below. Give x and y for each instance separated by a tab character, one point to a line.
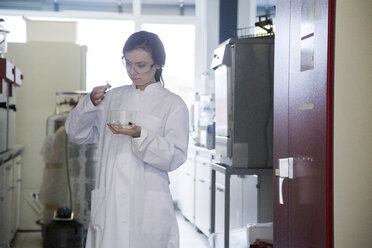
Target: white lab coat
131	204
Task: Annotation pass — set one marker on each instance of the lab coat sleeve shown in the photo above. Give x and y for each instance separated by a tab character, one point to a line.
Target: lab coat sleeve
166	152
82	122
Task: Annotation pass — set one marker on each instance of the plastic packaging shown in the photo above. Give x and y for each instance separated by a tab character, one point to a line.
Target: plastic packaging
66	101
260	231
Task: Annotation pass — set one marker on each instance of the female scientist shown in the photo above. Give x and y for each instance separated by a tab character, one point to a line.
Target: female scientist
142	131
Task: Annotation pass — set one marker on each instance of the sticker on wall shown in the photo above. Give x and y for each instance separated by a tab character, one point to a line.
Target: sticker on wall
308	14
306	106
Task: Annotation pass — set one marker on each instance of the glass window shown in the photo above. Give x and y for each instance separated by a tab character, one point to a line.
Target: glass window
168	7
16	26
120	6
104	40
179	69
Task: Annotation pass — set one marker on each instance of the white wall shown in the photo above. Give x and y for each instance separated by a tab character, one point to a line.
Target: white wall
207	41
353	124
57	31
246	13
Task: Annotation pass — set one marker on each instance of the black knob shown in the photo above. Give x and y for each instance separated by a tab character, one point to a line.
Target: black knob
64	213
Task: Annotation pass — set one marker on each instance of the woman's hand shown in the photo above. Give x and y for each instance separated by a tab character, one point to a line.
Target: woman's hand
98	93
134	131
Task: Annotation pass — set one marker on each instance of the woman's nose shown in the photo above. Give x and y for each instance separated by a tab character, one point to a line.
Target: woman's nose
132	70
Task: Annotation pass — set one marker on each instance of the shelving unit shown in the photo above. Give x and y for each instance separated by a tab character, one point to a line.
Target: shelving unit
263	214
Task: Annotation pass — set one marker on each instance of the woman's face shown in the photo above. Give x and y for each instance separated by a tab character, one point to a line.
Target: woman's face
140	67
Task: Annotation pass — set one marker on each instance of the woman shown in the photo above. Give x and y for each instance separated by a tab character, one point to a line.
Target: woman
132	204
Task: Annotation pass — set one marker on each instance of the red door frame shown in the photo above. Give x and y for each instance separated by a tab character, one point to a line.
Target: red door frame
329	139
330	99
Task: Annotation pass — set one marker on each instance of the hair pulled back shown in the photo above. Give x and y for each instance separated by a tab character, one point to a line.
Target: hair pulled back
151	43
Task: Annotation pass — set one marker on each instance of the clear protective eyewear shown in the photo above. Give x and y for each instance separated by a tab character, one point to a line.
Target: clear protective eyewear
141	67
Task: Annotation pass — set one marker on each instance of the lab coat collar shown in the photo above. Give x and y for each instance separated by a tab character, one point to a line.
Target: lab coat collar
149	88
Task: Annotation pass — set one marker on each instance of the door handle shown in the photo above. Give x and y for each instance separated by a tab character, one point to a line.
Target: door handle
285	171
13	107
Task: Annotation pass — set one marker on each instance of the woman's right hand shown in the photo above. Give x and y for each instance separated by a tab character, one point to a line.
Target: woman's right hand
98	93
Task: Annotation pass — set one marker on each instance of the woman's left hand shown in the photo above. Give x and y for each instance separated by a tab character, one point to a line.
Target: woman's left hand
134	131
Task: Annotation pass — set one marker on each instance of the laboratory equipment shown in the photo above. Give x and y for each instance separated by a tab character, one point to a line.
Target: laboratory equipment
244	101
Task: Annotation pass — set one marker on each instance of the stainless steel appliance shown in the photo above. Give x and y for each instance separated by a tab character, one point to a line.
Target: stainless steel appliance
243	95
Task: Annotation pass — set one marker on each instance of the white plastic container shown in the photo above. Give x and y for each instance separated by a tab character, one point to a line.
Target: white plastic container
237	239
262	231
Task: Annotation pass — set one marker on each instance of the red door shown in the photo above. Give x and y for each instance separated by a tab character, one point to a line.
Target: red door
302	124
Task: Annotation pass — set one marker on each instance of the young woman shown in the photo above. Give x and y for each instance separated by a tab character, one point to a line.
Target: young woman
142	131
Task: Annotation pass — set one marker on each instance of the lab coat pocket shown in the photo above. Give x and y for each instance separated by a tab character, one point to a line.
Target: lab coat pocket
158	213
97	215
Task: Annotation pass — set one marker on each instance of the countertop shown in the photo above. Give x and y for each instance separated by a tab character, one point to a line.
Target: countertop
11	153
202	149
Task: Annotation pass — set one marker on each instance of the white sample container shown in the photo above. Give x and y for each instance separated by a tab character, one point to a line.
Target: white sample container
262	231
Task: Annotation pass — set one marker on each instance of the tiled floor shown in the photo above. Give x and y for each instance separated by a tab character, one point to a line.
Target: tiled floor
189	237
28	240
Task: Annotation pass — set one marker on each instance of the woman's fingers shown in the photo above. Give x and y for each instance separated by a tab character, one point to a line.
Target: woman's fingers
134	131
96	99
117	128
98	93
112	128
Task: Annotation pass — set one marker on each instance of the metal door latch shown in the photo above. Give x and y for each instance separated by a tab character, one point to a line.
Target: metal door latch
285	171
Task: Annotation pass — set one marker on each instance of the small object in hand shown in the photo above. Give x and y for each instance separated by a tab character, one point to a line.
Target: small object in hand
108	86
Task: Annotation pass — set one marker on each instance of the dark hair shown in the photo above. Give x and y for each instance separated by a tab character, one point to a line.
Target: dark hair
151	43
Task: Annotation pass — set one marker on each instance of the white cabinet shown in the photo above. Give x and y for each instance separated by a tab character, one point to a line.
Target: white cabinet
202	205
10	174
250	198
17	189
9	193
203	191
2	206
243	201
220	204
236	202
194	194
6	196
203	160
186	187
